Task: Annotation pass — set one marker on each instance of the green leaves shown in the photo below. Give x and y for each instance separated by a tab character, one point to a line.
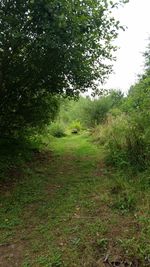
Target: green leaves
51	47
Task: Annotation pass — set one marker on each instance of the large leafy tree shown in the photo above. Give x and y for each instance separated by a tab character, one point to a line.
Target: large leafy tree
50	47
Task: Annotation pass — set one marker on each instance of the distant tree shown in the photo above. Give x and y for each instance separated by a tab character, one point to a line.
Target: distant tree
139	94
116	98
90	111
50	47
147	59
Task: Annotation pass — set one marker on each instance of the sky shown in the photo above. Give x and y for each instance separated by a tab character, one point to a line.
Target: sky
133	42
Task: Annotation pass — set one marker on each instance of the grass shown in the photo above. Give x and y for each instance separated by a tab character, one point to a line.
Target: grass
69	209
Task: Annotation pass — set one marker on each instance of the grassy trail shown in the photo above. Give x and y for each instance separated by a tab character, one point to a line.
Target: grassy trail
61	212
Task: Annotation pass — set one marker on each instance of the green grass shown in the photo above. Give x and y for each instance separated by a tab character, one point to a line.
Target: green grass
70	209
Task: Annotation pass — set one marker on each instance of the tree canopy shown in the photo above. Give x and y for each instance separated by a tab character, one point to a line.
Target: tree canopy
50	47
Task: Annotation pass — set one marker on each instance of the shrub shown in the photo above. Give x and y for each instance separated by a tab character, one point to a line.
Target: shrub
89	111
57	130
126	202
75	126
24	119
126	143
113	130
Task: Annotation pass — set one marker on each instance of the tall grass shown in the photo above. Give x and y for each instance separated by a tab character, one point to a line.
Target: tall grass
126	145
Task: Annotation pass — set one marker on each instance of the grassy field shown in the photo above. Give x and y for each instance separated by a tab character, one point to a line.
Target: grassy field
67	208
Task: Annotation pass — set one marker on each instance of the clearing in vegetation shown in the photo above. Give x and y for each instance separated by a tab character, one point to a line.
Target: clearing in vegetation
69	209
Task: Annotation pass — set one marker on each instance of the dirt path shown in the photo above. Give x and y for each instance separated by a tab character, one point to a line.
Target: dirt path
61	212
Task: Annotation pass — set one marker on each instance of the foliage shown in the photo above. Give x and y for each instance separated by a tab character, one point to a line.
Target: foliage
137	105
90	112
126	133
14	153
55	261
73	110
125	202
21	119
95	111
57	130
75	125
48	48
124	144
147	60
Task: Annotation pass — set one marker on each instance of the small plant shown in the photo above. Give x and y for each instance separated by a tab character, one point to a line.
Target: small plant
76	241
102	243
54	261
125	202
119	183
57	130
98	228
133	246
26	264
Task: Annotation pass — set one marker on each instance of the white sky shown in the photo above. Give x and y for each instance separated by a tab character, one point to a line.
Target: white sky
133	42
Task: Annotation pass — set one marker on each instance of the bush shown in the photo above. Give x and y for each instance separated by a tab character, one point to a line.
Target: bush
125	202
28	118
57	130
95	111
90	112
125	143
113	129
75	126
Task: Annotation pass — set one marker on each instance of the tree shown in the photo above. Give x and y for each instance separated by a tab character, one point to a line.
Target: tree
50	47
147	59
137	108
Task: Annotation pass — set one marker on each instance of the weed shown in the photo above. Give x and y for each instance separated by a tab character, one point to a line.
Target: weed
118	184
57	130
26	264
50	261
127	244
102	243
97	228
76	241
133	246
126	202
36	246
7	235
